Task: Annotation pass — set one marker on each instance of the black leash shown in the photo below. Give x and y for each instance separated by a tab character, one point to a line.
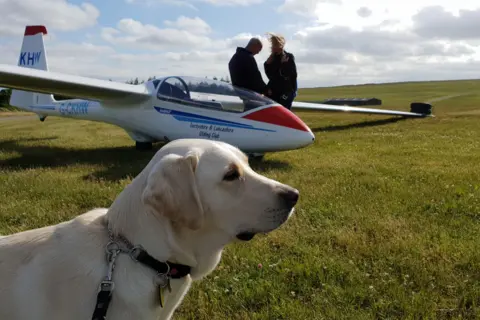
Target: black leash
164	272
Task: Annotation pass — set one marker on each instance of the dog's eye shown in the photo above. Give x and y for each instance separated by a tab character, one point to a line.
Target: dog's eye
231	175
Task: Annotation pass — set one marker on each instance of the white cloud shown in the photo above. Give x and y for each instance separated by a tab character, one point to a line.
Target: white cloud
436	22
190	3
345	12
233	2
374	43
149	3
307	7
130	32
392	47
364	12
192	25
56	14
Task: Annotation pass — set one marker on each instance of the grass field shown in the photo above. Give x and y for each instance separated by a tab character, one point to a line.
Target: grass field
387	227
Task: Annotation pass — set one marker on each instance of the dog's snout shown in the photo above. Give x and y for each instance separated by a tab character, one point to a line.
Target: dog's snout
290	196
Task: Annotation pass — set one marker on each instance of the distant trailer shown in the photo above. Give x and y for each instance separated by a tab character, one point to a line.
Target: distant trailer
352	101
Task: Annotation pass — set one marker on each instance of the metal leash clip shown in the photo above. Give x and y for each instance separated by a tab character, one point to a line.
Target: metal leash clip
106	287
112	250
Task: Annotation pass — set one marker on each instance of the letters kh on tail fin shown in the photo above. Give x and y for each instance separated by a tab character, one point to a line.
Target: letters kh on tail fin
32	55
32	59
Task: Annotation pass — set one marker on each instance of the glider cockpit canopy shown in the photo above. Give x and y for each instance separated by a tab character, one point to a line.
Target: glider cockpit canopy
210	94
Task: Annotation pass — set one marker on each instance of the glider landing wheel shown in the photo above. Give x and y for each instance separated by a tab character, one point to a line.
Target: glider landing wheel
143	145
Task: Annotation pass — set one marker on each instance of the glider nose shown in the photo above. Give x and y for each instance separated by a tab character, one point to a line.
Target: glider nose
297	133
304	138
310	138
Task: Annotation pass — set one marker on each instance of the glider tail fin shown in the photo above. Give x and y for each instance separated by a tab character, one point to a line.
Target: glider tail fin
33	56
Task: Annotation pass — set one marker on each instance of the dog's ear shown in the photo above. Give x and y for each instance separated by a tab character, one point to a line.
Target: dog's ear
171	190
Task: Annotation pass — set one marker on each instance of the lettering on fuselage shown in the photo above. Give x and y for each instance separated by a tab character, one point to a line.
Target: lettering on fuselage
29	58
69	108
211	131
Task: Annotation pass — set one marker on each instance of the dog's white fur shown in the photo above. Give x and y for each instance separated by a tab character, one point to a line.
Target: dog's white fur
178	208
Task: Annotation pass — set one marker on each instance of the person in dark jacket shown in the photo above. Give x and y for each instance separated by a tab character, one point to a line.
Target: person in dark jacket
281	71
243	68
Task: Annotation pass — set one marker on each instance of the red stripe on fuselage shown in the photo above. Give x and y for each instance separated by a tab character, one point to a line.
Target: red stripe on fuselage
33	30
278	115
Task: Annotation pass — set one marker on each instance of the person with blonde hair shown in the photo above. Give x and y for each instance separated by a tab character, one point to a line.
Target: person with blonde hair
281	71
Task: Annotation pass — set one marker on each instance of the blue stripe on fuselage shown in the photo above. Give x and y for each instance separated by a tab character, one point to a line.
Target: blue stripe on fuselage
192	117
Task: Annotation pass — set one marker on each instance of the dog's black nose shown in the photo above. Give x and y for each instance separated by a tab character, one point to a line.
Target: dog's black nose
290	196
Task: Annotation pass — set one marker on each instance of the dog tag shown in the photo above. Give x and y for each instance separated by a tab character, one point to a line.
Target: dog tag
161	293
168	285
162	281
161	296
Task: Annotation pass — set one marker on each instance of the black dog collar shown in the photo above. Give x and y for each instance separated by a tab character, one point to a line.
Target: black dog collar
166	270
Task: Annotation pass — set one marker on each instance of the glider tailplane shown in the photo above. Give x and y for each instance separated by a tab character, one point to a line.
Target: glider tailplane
33	56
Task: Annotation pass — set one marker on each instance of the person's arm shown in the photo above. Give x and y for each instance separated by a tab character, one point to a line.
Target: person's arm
294	73
294	70
231	71
268	67
256	77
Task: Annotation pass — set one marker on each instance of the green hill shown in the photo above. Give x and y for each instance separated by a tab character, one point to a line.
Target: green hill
462	93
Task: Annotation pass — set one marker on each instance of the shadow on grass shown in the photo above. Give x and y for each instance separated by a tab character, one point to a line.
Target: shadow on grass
363	124
118	162
266	165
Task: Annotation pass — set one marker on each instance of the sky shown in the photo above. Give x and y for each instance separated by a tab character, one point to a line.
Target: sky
335	42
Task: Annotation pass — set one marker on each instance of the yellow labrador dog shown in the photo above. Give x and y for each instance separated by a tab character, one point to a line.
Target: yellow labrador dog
137	259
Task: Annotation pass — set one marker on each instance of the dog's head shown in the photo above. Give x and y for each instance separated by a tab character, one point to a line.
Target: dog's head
212	185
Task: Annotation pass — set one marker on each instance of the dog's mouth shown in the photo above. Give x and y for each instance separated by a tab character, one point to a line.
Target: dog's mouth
284	216
246	236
